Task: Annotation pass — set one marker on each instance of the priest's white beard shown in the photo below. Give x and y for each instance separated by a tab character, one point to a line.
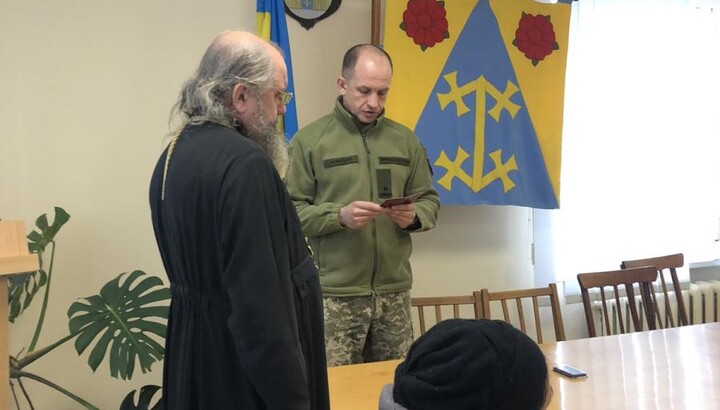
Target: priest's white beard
263	131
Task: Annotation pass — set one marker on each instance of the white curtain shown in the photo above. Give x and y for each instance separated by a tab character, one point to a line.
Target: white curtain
641	139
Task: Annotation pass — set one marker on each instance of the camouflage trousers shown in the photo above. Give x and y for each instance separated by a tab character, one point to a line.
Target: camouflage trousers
361	329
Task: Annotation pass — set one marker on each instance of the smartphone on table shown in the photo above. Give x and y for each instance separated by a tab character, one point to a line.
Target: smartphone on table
569	371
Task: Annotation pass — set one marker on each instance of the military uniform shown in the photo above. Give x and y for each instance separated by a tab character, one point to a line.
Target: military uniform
365	273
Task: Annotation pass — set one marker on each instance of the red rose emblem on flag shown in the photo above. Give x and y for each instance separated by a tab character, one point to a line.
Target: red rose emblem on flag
424	21
535	37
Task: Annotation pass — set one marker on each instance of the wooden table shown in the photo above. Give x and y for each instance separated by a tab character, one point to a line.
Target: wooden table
675	368
357	386
14	258
663	369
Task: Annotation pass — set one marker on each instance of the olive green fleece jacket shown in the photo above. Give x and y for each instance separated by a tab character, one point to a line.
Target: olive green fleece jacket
333	163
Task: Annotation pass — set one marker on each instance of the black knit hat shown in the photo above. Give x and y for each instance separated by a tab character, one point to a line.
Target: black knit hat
472	364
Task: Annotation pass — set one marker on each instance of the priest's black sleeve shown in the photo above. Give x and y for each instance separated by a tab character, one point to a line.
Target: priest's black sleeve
257	281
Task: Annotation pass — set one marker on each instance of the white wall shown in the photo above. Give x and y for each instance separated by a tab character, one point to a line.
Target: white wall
87	87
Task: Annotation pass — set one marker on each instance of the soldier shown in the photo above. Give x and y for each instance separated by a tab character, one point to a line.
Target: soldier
342	167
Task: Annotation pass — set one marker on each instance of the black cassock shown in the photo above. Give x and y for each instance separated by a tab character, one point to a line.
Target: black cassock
246	327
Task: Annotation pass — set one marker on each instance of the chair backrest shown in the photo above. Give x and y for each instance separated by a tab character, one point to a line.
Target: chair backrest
526	294
665	264
438	302
624	279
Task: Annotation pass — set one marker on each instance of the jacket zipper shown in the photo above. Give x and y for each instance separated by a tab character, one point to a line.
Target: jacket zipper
374	226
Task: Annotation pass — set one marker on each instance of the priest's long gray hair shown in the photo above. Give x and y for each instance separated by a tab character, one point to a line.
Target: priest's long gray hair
207	95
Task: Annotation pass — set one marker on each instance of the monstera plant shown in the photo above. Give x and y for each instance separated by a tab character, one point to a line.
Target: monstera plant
124	324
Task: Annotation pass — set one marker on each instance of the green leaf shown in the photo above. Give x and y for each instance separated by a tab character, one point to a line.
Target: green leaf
155	296
148	283
23	288
98	352
89	333
125	322
145	398
44	233
42	222
35	236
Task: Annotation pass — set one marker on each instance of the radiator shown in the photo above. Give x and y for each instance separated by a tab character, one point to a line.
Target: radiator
701	304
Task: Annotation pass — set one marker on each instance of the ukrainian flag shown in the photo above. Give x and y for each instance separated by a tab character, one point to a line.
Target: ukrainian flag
271	25
481	82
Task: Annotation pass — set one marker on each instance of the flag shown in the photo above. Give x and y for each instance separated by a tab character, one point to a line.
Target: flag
272	25
481	82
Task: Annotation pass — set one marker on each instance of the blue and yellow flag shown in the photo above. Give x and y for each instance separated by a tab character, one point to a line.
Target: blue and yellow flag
481	82
272	25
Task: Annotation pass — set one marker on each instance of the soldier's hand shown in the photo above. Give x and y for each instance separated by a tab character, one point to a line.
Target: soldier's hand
402	215
358	213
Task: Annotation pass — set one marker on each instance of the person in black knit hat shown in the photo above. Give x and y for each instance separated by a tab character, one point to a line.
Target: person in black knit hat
470	364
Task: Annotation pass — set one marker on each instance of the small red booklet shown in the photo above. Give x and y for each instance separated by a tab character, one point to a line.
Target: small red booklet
402	200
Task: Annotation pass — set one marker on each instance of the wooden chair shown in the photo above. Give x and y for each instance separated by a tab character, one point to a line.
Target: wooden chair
518	296
642	277
664	264
438	302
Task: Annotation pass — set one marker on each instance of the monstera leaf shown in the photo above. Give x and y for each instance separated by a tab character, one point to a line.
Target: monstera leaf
23	288
123	321
44	233
144	399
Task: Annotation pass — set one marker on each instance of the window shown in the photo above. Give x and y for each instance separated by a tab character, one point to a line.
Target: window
641	139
